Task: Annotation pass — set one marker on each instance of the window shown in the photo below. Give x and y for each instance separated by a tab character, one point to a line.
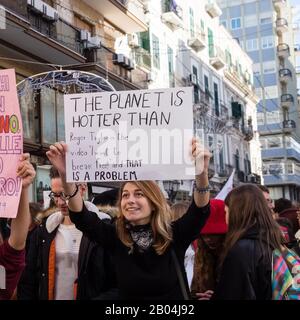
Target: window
271	92
265	20
202	25
289	168
247	164
216	96
155	46
274	142
196	89
235	23
52	115
206	85
252	44
260	118
70	36
210	142
192	26
263	143
228	57
237	160
269	67
210	42
276	169
30	111
273	117
171	67
267	42
144	40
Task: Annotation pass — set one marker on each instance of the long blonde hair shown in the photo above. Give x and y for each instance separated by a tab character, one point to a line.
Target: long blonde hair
160	219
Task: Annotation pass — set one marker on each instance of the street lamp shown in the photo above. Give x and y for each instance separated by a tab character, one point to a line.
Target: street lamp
171	187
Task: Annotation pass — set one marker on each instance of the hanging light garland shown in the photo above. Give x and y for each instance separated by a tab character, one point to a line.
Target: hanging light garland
66	81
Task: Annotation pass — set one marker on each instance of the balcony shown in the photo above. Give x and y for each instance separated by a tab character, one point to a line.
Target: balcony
281	26
172	14
142	58
248	133
253	178
128	15
241	176
288	126
279	4
287	100
37	36
217	57
283	50
198	42
213	9
285	75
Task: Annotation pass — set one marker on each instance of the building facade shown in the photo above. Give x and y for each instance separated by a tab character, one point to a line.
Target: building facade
136	44
264	29
187	47
43	36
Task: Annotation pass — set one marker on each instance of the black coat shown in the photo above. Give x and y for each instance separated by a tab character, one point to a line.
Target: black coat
246	273
145	275
96	275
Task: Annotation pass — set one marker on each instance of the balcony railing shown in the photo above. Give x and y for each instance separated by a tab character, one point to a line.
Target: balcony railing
283	50
172	14
217	57
248	133
288	125
213	9
285	75
142	58
198	42
58	30
286	100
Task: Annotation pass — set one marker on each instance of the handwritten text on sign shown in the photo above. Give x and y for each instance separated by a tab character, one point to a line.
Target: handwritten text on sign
11	144
129	135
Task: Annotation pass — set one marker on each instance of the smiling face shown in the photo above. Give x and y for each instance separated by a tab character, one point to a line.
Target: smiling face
135	206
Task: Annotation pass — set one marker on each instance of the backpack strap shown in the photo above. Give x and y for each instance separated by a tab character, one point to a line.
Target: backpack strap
180	276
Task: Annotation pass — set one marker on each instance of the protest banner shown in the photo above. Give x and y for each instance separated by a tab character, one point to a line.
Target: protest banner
129	135
11	144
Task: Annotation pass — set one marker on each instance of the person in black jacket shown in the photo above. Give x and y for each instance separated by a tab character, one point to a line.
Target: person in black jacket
252	236
144	242
62	263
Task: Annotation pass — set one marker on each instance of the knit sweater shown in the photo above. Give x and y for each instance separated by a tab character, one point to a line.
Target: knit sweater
14	262
145	275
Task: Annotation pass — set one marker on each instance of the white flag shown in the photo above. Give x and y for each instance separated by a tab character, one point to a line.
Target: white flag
227	188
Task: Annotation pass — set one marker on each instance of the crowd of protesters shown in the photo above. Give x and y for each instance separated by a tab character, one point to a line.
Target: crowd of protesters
130	244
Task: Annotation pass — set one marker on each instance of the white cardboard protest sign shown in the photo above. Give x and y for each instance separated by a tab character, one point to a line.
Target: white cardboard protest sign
129	135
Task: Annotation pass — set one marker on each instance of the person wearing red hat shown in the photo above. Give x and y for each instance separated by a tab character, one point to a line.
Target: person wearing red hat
208	249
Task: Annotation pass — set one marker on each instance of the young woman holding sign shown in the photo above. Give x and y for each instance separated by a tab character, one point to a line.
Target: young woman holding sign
145	244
